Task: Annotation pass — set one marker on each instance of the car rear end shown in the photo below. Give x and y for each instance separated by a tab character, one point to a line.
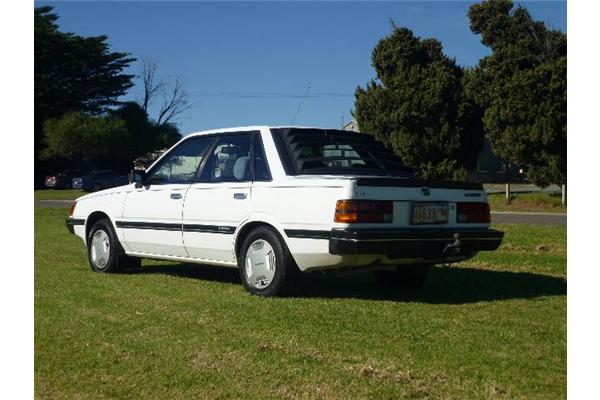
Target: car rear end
77	182
395	221
382	215
50	181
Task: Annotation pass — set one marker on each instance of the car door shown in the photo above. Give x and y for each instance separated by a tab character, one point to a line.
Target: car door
151	219
219	200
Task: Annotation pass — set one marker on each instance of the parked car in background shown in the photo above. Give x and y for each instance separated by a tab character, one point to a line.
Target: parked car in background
77	183
61	180
99	180
277	202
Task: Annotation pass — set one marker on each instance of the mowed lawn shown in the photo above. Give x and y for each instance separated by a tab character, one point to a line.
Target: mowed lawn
55	194
491	328
527	202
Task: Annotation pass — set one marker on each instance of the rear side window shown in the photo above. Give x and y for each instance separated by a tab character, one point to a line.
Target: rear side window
229	160
329	151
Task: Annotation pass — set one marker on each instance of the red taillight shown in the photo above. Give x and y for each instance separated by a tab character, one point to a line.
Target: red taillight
72	210
364	211
472	212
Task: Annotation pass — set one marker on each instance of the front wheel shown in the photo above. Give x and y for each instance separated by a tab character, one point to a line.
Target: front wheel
406	276
105	253
265	265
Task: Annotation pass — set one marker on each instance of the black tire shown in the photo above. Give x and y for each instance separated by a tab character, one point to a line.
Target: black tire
116	259
287	277
405	276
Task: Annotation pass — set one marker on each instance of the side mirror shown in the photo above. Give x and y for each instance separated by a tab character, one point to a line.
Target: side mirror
137	176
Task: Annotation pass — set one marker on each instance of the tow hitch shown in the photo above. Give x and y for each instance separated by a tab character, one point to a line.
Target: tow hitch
452	249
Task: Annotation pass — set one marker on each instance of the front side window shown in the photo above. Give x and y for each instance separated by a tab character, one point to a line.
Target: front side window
230	160
180	165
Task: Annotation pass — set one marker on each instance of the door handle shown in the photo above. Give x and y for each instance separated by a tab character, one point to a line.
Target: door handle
176	196
239	196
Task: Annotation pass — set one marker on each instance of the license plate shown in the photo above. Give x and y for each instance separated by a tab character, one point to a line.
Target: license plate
428	213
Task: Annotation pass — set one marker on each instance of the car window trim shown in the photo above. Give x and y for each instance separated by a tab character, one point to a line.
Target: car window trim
261	144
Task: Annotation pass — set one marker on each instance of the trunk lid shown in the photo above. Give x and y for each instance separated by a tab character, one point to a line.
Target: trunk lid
413	197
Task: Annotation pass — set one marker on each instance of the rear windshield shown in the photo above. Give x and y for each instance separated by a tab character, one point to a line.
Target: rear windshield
335	152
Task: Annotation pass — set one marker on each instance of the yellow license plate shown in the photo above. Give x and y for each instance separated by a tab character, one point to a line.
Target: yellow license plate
429	213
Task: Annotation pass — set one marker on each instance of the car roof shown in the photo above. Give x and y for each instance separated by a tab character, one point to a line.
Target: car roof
252	128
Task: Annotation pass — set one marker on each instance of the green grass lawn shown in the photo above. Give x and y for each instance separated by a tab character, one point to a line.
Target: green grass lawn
55	194
527	202
493	328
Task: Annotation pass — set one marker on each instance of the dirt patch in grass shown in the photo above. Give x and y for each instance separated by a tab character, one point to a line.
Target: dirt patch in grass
384	374
537	249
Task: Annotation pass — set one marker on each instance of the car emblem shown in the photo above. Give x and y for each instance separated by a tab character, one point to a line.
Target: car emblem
425	191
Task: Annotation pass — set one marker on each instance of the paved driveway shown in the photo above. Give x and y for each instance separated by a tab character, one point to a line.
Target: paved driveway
501	217
53	203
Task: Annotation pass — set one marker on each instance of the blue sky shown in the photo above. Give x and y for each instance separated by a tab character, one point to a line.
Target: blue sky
246	63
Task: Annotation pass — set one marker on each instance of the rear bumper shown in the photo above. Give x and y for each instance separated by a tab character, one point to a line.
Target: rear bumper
427	244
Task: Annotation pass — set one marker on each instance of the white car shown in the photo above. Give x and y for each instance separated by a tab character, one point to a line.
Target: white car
277	202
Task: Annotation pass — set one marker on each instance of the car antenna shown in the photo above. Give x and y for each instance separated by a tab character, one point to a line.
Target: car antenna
300	105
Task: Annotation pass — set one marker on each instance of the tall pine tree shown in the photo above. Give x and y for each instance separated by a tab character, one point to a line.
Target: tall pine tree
418	106
72	73
522	86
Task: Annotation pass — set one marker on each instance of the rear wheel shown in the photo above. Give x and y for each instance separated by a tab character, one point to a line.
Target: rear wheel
265	265
105	253
406	276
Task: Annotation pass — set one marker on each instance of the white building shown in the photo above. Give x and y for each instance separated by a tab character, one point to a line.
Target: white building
351	126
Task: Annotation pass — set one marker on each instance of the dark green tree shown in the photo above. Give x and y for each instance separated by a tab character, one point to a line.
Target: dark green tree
522	86
146	135
112	140
84	140
73	73
418	106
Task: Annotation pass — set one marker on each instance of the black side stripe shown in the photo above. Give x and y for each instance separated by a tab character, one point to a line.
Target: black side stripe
75	221
228	230
161	226
307	234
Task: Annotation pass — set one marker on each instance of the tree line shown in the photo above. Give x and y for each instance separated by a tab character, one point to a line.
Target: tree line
434	113
79	122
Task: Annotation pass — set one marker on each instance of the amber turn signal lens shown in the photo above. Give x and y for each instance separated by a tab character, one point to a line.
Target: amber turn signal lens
72	210
364	211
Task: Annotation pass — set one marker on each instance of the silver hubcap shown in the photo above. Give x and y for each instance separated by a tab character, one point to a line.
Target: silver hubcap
100	250
260	264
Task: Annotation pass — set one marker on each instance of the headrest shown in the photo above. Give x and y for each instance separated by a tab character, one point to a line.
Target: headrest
240	167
